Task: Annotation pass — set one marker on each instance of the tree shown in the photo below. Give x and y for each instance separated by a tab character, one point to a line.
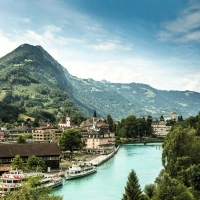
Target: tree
149	190
170	188
132	189
194	176
131	126
32	193
70	140
17	163
110	122
35	164
149	129
21	139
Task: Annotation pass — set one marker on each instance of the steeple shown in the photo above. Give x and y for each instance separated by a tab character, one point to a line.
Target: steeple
68	121
94	116
162	118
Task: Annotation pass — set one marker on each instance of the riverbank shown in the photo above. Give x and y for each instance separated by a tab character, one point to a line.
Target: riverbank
93	159
102	158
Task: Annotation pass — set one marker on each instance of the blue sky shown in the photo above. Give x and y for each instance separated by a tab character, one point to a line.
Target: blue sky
144	41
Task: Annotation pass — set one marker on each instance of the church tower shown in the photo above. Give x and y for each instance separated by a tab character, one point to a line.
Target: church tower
94	116
68	121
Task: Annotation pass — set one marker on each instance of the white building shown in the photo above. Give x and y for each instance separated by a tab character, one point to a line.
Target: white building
99	139
160	127
65	123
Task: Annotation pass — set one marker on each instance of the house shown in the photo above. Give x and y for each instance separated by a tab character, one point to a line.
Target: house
49	152
46	134
1	135
21	129
4	136
99	139
65	122
160	127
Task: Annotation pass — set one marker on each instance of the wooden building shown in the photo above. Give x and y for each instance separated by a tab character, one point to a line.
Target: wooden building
49	152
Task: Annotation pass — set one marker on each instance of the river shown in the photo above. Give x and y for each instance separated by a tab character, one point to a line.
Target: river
111	178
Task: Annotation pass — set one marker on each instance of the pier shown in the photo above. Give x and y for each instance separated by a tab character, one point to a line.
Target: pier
102	158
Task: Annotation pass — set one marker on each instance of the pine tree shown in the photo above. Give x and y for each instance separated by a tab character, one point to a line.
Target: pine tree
132	189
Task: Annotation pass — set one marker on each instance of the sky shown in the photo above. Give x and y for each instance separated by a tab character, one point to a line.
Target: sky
154	42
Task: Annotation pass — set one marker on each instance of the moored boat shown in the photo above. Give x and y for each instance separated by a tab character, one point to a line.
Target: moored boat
51	181
11	181
77	171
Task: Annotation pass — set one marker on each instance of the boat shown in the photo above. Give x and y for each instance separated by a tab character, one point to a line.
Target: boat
76	171
11	181
51	181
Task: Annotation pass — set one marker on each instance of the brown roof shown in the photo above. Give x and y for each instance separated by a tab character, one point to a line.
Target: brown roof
37	149
89	122
21	128
4	167
1	133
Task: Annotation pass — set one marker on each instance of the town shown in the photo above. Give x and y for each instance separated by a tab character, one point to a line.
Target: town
96	134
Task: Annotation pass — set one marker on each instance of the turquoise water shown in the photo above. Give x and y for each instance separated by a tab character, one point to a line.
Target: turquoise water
111	178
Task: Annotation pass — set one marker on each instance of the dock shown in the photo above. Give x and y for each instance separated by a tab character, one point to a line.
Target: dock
102	158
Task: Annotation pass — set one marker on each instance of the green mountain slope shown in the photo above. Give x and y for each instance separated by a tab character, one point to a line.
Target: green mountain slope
121	100
30	78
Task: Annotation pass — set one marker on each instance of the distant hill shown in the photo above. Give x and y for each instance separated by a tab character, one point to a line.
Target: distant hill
30	78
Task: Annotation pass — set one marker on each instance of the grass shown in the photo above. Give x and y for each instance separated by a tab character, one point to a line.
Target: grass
25	117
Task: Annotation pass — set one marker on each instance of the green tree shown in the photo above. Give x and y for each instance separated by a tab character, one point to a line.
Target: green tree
31	193
17	163
70	140
149	129
198	124
149	190
110	122
21	139
170	188
194	176
35	164
132	189
141	124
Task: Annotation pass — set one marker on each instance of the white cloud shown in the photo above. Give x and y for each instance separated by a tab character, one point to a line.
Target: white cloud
189	82
6	44
119	71
184	28
111	45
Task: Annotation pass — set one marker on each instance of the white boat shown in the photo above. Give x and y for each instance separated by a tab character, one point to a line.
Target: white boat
11	181
14	174
76	171
51	181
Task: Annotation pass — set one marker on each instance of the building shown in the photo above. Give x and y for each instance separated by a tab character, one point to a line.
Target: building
160	127
49	152
46	134
173	116
21	129
4	135
65	122
97	136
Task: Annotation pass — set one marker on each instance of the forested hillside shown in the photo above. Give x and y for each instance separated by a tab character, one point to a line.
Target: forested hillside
32	81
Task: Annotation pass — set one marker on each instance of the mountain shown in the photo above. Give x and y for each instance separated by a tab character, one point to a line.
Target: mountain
32	79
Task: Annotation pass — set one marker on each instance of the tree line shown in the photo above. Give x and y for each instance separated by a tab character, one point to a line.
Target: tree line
180	178
131	127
